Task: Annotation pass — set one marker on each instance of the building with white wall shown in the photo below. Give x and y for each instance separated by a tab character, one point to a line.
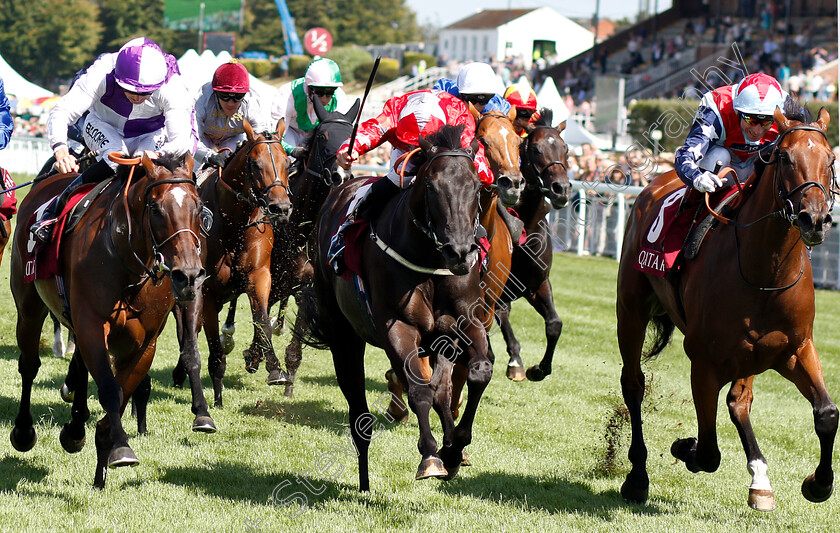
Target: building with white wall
498	33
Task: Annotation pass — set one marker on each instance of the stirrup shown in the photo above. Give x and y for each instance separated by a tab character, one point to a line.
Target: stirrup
42	230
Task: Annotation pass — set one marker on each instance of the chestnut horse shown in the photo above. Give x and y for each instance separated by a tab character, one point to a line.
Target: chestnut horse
759	265
425	240
544	162
250	202
137	248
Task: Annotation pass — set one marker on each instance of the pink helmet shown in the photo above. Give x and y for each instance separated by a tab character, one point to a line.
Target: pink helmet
758	94
231	78
141	66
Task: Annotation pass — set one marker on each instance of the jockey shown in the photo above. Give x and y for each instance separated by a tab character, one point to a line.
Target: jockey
402	121
136	102
220	110
323	81
524	99
478	85
7	124
731	125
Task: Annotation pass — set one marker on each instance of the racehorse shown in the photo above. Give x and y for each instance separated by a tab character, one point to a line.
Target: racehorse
291	259
544	162
137	247
425	239
759	265
250	201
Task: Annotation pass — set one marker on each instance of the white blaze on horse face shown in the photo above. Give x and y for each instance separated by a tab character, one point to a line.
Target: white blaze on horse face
504	132
811	144
179	195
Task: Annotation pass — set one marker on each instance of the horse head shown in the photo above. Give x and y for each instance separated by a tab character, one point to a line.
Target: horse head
501	146
333	129
545	160
259	171
170	205
804	173
446	191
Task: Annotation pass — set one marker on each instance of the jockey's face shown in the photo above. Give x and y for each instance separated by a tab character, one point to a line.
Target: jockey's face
478	100
325	94
229	102
754	132
136	98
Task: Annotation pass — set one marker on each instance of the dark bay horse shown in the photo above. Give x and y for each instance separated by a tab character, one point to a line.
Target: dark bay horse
759	265
250	202
425	240
544	162
137	250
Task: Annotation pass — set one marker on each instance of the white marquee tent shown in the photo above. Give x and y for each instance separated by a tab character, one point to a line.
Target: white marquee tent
19	87
196	70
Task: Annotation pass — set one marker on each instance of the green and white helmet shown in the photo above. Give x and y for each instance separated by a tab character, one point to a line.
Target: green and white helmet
322	72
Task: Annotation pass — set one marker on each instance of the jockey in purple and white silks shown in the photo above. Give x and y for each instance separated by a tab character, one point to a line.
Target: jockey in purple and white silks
732	124
135	101
221	108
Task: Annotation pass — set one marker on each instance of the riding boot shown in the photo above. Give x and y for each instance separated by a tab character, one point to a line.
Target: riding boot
43	227
514	225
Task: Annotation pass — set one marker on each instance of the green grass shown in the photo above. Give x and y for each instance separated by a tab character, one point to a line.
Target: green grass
538	453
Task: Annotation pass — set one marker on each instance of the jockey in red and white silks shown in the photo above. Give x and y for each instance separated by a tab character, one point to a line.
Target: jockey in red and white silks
405	118
731	125
162	121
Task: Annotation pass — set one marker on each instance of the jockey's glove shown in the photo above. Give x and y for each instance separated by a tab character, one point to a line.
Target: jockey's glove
707	182
217	159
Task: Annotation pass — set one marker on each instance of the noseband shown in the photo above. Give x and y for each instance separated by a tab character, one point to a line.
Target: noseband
537	172
324	162
160	268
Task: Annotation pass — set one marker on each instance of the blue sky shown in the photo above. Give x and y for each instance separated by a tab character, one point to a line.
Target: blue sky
444	12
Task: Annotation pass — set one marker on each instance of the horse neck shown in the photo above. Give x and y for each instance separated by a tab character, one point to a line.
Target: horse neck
235	176
532	206
137	239
309	193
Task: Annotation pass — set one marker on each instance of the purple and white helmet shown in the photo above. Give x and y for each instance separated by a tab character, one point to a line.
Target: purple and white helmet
141	66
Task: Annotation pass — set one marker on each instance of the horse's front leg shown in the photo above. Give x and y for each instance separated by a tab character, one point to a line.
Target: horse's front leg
216	359
259	286
188	318
806	373
702	453
72	435
515	367
543	301
479	369
739	400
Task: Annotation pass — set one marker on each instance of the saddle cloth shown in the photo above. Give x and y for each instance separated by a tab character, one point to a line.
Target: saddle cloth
8	208
41	261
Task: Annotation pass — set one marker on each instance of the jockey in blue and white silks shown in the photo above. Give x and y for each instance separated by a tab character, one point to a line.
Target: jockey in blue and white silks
477	84
732	124
135	100
7	124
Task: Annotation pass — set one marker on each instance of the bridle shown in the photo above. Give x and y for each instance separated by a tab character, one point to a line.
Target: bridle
257	196
533	167
493	114
323	158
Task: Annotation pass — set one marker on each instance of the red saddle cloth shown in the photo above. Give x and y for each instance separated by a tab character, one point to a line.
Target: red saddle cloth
664	239
41	261
9	207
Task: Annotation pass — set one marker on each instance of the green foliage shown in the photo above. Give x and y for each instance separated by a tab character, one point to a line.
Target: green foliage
389	70
413	58
49	41
672	117
124	20
259	68
348	58
298	65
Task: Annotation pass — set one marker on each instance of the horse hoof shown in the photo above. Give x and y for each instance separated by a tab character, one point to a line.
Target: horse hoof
66	394
762	499
70	444
122	456
289	392
431	467
21	442
515	373
535	373
686	451
203	424
633	494
451	472
278	377
252	364
465	461
814	492
399	417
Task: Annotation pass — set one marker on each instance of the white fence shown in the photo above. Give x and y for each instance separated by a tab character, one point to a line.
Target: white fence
25	155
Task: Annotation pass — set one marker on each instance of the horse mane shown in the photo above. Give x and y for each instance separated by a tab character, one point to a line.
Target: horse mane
448	137
171	161
546	116
794	111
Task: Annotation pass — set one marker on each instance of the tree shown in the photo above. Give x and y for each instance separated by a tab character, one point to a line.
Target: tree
124	20
48	41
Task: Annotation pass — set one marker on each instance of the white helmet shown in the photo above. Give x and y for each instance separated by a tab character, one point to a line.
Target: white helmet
141	66
758	94
479	78
322	72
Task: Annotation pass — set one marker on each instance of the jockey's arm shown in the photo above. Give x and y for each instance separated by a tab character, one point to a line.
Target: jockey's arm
706	131
7	124
179	118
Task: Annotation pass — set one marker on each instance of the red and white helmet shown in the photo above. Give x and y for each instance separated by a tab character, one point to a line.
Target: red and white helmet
231	78
141	66
521	97
758	94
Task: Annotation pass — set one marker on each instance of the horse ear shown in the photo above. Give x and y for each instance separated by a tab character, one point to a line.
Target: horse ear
189	162
249	130
824	117
474	148
781	120
512	113
320	111
561	126
354	111
148	162
474	112
425	145
281	127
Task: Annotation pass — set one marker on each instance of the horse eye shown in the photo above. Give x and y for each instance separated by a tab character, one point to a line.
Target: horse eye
154	208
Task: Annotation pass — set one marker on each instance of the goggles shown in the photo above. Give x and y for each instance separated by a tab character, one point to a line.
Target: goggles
144	95
480	99
524	113
323	91
757	120
227	97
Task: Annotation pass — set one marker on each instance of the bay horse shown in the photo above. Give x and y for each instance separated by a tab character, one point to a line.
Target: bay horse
759	265
138	249
294	243
250	201
425	239
544	162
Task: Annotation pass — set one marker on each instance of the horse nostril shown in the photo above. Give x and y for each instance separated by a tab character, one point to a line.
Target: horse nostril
178	278
558	188
504	182
804	220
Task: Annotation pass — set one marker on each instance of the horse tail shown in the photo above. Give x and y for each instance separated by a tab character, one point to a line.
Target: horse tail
308	328
660	337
